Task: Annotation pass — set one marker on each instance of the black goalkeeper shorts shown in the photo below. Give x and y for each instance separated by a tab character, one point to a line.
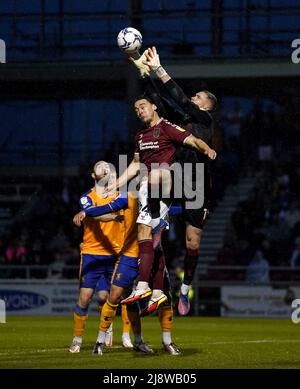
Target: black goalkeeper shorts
196	217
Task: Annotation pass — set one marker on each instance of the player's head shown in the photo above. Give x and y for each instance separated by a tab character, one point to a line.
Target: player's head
145	109
103	172
205	100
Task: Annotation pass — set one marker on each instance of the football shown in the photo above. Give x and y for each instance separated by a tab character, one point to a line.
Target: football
129	40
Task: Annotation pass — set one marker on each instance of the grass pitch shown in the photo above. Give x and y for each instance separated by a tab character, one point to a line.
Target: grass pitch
42	342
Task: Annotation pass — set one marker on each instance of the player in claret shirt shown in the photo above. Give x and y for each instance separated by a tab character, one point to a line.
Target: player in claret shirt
156	144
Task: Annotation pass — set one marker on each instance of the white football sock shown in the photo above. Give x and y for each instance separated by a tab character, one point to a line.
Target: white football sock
110	328
155	222
184	289
101	337
126	336
77	339
167	337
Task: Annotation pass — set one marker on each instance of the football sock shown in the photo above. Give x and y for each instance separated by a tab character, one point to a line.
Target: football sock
125	319
100	304
80	318
138	337
134	318
101	337
155	222
146	259
126	336
107	315
165	315
167	337
190	263
158	269
184	289
78	339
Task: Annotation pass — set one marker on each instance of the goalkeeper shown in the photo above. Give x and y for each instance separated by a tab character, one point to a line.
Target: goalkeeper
194	115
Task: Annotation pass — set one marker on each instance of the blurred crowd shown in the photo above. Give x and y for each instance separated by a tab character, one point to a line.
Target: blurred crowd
264	231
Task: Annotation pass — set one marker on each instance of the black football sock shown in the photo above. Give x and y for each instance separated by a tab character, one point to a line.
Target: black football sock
190	264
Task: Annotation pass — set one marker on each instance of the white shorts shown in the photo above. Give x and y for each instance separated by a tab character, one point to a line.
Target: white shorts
144	216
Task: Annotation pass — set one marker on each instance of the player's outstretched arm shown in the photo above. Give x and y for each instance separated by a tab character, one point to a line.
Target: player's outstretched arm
120	202
130	172
198	144
153	62
174	90
80	216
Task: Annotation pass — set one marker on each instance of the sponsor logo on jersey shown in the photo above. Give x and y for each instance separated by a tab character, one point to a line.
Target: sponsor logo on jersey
84	200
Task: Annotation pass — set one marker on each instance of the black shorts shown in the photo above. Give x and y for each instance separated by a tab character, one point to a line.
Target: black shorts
196	217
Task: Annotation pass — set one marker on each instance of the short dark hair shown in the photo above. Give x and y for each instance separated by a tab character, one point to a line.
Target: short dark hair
212	99
144	97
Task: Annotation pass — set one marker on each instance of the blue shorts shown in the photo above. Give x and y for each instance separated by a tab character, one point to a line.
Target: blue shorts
126	271
96	271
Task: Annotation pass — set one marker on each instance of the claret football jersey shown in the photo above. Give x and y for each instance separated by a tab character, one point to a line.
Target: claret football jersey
158	144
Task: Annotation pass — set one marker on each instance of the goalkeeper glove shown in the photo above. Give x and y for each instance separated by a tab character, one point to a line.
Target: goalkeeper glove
139	63
153	62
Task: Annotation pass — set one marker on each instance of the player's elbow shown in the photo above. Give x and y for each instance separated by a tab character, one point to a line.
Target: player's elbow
191	141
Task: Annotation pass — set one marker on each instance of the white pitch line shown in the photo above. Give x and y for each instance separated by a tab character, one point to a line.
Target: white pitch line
251	341
47	350
34	351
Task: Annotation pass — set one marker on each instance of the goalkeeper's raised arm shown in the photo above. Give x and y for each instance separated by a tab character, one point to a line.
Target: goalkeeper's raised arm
198	106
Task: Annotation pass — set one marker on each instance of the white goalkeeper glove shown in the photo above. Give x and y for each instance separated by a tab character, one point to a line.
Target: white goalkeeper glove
153	62
140	64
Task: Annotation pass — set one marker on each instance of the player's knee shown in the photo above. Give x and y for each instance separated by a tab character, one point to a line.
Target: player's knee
101	302
84	301
102	295
193	244
113	299
193	241
144	232
114	296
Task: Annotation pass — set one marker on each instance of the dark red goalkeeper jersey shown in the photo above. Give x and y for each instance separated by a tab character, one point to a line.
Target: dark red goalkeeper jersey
158	144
